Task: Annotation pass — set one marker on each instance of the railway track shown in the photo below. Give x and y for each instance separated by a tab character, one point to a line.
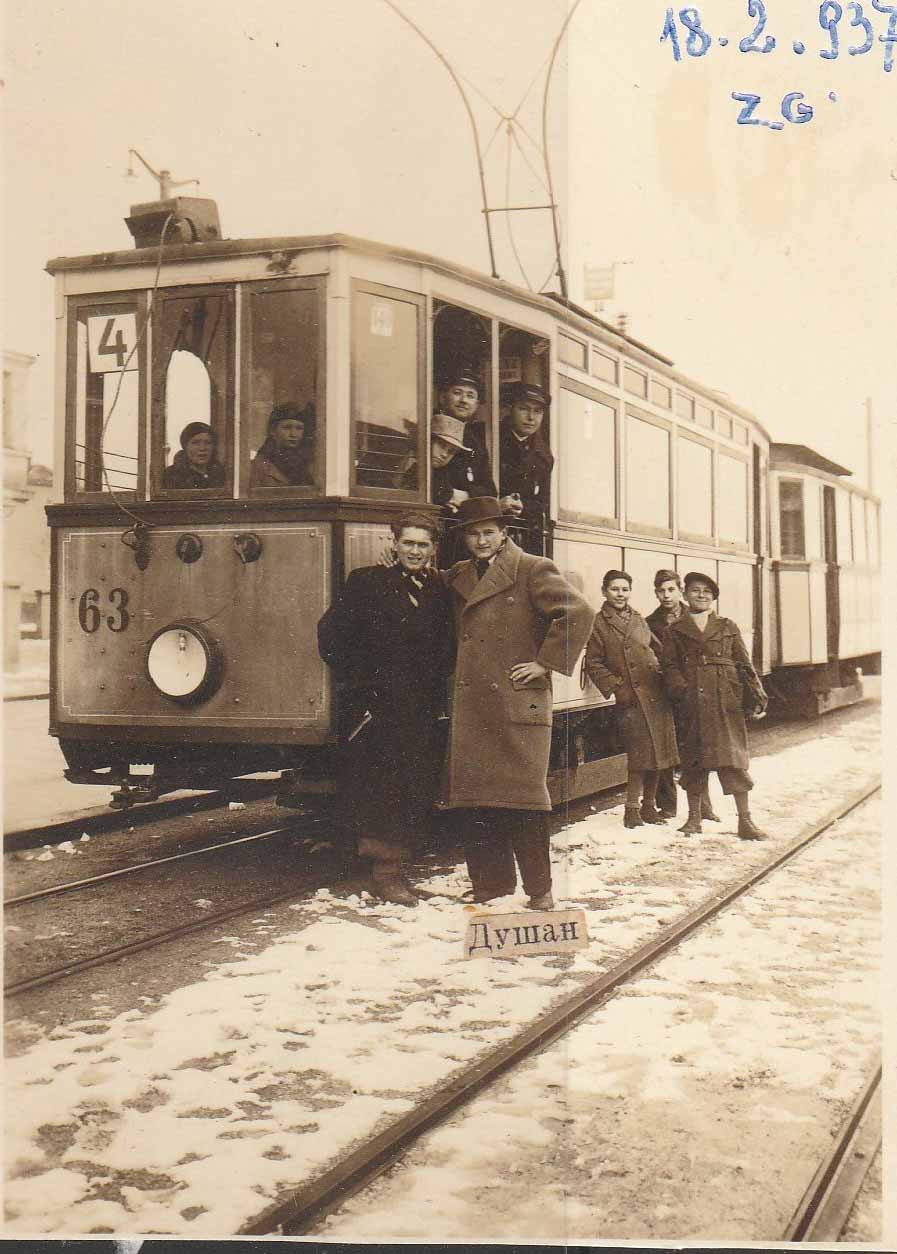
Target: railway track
310	1204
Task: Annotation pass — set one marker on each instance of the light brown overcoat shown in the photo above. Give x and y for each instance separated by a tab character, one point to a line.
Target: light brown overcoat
522	610
621	661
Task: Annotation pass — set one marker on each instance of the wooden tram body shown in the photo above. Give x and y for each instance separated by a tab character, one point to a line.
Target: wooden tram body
651	470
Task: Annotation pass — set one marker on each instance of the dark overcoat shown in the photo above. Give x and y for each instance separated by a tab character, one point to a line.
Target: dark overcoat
710	677
620	661
473	475
525	468
180	474
391	659
522	610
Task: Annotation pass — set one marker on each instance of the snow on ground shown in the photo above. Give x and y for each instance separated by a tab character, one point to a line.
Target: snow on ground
195	1115
696	1104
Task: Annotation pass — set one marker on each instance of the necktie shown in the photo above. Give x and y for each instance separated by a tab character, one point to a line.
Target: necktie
482	566
417	582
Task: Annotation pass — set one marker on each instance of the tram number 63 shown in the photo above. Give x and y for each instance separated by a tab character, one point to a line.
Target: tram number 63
90	616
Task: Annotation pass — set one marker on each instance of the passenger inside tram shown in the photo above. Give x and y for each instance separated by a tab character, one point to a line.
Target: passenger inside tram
451	476
195	465
285	458
459	397
525	460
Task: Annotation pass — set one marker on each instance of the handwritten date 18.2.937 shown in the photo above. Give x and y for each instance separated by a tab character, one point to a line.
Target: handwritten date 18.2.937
690	34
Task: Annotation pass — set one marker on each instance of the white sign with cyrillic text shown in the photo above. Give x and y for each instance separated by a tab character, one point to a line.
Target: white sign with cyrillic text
532	932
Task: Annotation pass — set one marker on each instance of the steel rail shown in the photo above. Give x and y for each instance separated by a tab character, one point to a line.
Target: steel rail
57	890
19	987
822	1212
311	1202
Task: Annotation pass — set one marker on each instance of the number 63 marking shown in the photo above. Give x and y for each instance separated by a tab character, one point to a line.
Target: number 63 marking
90	617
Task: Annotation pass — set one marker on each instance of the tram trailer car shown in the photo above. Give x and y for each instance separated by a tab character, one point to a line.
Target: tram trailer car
184	618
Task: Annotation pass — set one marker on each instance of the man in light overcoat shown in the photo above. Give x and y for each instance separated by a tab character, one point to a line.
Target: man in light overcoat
517	620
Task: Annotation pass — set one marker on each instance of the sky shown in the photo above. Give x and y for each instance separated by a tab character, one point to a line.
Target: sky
763	262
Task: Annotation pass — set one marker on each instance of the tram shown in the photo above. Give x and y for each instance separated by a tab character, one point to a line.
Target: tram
184	612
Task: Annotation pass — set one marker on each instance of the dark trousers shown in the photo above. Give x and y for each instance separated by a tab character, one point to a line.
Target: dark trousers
493	839
665	797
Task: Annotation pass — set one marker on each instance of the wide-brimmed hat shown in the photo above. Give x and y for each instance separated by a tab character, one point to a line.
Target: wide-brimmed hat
694	576
528	392
478	509
193	429
450	430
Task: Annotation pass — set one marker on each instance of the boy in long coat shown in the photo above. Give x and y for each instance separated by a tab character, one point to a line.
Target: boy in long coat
668	590
621	662
517	619
710	677
390	640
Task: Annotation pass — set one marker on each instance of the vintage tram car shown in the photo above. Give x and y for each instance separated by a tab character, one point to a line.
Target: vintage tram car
184	617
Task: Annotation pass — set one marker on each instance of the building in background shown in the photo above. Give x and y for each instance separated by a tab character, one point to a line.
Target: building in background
27	488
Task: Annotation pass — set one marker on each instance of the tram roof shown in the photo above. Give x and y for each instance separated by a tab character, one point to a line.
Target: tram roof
801	455
549	302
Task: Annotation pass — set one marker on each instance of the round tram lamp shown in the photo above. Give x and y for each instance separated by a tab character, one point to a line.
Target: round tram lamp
183	662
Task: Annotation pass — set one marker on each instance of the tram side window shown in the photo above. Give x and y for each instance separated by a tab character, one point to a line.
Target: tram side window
791	518
282	342
104	396
386	393
461	462
193	393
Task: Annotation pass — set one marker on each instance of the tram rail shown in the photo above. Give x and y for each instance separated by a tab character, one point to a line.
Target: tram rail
824	1209
310	1204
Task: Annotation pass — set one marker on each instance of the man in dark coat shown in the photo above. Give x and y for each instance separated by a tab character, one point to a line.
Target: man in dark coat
709	675
525	462
389	639
668	590
459	396
518	619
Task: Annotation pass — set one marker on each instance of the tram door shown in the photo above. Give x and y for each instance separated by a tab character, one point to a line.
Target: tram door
832	591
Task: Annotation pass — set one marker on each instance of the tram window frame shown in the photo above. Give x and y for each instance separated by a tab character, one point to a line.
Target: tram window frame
797	552
489	406
660	393
249	290
100	303
573	352
683	533
635	381
419	302
158	418
664	424
597	355
564	514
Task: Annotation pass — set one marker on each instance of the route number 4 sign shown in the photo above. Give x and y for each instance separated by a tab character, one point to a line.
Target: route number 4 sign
111	339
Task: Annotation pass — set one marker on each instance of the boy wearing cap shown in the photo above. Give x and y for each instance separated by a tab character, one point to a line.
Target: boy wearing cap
195	465
284	458
668	590
459	398
711	680
517	620
525	460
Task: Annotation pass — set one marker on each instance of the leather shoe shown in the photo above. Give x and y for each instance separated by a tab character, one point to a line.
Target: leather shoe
691	827
667	814
392	888
632	817
748	829
544	901
651	814
707	812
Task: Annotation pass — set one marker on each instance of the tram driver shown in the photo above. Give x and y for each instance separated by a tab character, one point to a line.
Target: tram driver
195	465
284	460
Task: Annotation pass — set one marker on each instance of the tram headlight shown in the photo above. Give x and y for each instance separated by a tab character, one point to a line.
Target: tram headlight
184	663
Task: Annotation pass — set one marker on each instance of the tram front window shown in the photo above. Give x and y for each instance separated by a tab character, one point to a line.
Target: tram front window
193	393
386	392
104	389
281	338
